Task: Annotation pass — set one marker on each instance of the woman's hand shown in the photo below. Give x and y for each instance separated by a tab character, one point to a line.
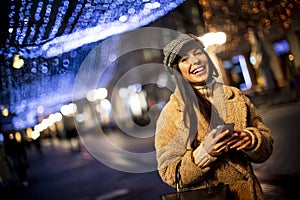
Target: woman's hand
211	147
216	145
242	142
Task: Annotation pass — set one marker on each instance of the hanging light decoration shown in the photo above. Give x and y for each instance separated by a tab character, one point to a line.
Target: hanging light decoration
49	29
42	39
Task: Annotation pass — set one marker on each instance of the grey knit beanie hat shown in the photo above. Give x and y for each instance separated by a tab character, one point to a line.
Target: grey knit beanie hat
172	49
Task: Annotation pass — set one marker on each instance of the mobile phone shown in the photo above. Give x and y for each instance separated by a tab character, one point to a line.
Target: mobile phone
224	127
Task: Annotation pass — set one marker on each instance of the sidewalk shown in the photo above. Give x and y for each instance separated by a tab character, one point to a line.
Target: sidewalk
60	174
278	187
274	98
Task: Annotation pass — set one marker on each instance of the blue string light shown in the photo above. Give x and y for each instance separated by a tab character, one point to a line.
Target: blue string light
85	18
43	33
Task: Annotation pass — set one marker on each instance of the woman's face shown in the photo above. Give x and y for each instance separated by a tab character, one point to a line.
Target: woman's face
194	66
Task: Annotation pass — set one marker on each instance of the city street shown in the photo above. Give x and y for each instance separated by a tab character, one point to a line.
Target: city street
58	173
83	84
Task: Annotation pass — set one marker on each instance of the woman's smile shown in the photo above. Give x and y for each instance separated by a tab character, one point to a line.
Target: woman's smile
194	66
199	70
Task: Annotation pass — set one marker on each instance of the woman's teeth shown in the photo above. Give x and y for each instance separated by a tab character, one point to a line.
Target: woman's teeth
199	70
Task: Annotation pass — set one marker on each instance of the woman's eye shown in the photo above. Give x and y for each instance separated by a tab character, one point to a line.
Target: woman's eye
199	53
183	60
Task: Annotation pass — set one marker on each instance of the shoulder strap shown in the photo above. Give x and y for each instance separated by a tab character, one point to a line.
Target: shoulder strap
179	187
178	177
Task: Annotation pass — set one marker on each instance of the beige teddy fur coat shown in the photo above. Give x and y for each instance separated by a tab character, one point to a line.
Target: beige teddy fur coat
173	145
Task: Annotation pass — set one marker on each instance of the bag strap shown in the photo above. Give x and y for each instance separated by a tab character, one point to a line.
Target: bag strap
178	177
179	187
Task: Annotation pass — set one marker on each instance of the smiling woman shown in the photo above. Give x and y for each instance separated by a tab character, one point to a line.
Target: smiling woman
194	66
187	143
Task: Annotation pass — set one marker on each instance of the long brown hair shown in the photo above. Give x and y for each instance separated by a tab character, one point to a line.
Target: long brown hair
207	109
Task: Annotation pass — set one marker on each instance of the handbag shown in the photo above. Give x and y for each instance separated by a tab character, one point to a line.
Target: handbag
219	192
211	192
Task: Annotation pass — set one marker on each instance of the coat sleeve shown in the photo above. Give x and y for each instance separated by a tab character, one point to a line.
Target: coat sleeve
171	141
263	147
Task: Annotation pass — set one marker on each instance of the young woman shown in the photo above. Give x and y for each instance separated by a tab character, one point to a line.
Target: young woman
186	136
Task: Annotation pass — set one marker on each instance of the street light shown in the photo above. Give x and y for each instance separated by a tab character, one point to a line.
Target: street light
216	38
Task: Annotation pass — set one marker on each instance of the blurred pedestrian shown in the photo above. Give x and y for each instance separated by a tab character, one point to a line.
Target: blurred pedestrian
16	153
186	129
5	175
73	137
72	134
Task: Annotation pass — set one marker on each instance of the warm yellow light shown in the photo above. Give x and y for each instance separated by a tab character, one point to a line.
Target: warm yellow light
35	135
28	130
18	62
18	137
11	136
291	57
217	38
4	111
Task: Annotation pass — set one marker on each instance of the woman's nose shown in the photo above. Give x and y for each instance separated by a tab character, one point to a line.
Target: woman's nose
194	60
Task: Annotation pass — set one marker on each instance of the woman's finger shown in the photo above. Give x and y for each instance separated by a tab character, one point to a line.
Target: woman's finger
241	144
204	163
223	148
244	146
237	144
